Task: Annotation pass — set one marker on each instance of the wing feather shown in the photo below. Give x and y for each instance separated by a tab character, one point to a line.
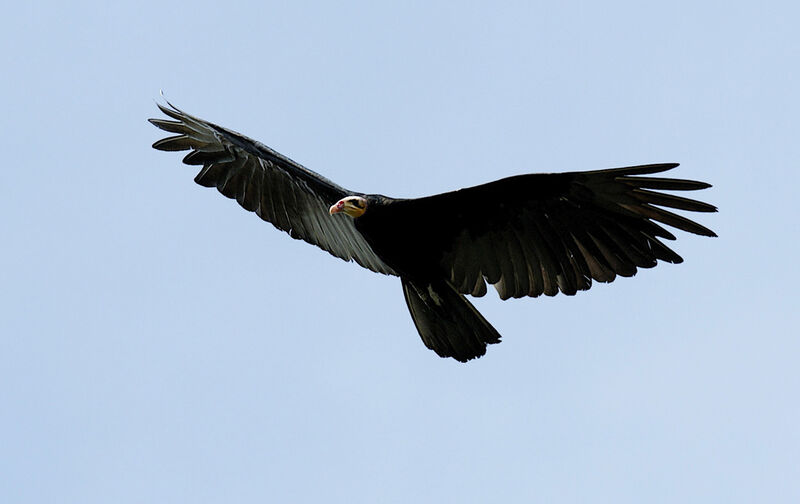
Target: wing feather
532	257
519	261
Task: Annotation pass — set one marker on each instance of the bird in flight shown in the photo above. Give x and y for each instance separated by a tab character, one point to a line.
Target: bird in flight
527	235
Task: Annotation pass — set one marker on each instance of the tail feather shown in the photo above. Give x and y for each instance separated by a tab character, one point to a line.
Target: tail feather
448	323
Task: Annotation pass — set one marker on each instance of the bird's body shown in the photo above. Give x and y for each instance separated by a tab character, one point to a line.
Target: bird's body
527	235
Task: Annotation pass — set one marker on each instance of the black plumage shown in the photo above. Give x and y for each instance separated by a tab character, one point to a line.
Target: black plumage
527	235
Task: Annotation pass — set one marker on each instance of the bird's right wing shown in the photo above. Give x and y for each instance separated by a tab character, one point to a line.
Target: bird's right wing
291	197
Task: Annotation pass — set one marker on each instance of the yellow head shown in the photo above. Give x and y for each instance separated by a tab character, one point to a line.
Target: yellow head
354	206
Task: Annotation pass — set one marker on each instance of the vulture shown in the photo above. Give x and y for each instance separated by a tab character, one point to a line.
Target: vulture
527	235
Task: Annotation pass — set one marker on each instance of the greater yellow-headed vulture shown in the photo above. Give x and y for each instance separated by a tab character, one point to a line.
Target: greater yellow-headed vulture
527	235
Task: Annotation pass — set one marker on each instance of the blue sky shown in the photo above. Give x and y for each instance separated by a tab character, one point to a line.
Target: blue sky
160	344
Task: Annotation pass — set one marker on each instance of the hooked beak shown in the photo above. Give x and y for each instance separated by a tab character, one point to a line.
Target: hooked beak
336	207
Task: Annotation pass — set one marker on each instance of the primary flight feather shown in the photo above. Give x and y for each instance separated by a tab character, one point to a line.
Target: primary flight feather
527	235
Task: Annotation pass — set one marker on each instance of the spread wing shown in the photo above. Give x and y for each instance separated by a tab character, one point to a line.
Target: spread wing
280	191
544	233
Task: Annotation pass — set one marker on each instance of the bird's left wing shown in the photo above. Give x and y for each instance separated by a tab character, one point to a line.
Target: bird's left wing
280	191
548	233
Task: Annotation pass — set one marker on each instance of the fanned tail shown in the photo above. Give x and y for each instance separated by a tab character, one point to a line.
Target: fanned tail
448	323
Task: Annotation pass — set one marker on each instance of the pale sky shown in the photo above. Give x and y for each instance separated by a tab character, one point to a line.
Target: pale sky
160	344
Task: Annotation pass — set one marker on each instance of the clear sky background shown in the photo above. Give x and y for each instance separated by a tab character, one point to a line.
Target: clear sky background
160	344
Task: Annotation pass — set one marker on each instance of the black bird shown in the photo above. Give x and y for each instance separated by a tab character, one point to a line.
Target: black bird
527	235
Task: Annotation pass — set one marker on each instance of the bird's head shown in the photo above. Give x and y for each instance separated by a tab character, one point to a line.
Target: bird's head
354	206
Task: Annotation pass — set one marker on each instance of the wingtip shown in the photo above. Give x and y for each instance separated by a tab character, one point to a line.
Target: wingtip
164	97
171	106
